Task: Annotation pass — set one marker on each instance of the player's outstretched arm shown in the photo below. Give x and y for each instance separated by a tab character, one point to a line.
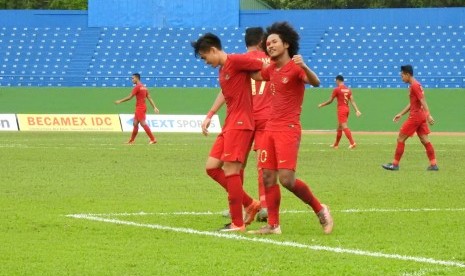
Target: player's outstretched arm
400	114
152	103
326	103
217	104
125	99
357	111
429	118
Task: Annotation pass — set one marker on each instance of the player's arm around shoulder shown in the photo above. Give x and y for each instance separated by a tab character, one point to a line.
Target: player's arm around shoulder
257	75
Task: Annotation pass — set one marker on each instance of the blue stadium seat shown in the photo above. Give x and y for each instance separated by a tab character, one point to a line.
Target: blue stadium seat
369	56
380	50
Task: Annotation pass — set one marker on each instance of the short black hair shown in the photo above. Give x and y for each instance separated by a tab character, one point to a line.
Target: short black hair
408	69
339	78
287	34
137	75
205	42
254	36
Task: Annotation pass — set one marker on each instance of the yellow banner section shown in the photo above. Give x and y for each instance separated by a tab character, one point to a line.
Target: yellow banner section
68	122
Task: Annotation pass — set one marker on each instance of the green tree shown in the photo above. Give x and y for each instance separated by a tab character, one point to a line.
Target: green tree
68	4
43	4
361	4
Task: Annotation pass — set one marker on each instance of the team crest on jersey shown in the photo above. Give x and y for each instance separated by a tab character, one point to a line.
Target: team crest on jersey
226	77
285	80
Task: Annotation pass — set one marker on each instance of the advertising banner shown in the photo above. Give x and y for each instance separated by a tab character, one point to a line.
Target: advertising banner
172	123
68	122
8	122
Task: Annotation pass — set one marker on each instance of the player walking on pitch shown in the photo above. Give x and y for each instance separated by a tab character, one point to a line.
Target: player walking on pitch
343	95
227	156
141	93
288	75
417	121
261	105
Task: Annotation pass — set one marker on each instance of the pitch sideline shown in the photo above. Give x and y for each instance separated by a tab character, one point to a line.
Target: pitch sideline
273	242
209	213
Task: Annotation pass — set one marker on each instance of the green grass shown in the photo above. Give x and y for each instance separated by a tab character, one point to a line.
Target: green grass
46	176
377	105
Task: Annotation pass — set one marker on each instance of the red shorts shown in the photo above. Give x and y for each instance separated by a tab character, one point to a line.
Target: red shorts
415	124
280	150
258	134
139	115
342	115
232	145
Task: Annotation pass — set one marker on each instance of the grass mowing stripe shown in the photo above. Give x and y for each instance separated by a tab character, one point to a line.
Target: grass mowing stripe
273	242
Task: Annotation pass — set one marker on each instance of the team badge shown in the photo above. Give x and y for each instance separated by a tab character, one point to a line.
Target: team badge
226	77
284	80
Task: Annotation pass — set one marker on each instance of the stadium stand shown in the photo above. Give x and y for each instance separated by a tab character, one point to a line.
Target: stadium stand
368	56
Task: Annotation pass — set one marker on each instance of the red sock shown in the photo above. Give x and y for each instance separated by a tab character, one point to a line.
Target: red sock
430	153
235	193
218	175
246	199
135	130
273	200
302	191
261	189
338	137
149	132
349	135
399	151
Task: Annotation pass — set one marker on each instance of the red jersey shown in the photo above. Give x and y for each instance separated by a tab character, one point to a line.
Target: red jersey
261	95
235	85
288	87
343	94
416	94
140	91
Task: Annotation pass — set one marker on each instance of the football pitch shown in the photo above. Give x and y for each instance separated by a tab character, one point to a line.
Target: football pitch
86	204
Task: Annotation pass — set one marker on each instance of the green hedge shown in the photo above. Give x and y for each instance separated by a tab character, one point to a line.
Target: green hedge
377	105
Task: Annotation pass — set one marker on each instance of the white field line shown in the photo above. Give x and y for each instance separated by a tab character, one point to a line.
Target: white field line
374	210
273	242
209	213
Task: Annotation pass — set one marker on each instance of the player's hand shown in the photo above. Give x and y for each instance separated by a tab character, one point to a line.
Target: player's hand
117	102
397	118
430	120
299	60
358	113
320	105
156	110
205	125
